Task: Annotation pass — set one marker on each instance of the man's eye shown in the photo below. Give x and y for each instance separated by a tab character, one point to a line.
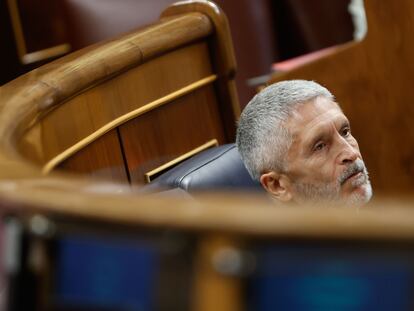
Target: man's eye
319	146
346	132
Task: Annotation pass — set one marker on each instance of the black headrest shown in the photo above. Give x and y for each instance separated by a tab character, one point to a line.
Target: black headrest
219	168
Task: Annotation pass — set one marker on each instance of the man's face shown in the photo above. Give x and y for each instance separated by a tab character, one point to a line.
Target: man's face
324	161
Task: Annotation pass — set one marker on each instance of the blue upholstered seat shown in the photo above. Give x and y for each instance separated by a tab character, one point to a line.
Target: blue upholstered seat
215	169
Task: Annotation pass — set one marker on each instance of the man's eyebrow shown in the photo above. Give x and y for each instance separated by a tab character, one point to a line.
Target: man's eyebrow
345	123
321	133
313	140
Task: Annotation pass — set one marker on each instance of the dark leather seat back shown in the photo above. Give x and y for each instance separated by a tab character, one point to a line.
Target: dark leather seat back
216	169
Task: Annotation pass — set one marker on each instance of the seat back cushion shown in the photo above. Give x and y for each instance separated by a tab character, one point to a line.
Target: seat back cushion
216	169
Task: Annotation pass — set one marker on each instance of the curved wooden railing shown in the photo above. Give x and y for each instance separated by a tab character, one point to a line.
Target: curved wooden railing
56	111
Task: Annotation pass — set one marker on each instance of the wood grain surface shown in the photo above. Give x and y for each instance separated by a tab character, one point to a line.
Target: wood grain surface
136	88
99	85
224	61
102	159
51	108
166	133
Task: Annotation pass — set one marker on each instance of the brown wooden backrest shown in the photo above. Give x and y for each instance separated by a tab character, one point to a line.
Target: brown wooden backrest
126	108
371	80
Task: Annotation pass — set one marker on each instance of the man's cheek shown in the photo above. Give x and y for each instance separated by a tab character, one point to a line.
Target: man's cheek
319	169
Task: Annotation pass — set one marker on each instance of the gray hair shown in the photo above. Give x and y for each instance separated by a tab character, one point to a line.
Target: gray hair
262	139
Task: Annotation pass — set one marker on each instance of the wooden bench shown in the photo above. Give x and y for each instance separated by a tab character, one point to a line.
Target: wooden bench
129	108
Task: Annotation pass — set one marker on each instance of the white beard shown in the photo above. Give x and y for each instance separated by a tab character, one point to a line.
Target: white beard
331	192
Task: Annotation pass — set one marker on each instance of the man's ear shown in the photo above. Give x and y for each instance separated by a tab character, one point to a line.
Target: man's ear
278	185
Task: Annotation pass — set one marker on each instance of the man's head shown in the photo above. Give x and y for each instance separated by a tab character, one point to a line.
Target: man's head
297	142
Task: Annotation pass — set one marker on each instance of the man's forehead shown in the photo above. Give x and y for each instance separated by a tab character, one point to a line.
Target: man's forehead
313	113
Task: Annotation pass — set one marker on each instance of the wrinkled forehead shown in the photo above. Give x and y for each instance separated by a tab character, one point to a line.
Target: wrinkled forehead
314	113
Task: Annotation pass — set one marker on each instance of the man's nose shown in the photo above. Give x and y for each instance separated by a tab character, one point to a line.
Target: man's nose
348	153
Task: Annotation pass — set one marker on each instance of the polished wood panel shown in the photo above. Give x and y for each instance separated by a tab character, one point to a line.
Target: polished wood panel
103	159
224	61
31	145
230	214
42	90
372	82
39	31
81	96
170	131
136	88
212	286
125	118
